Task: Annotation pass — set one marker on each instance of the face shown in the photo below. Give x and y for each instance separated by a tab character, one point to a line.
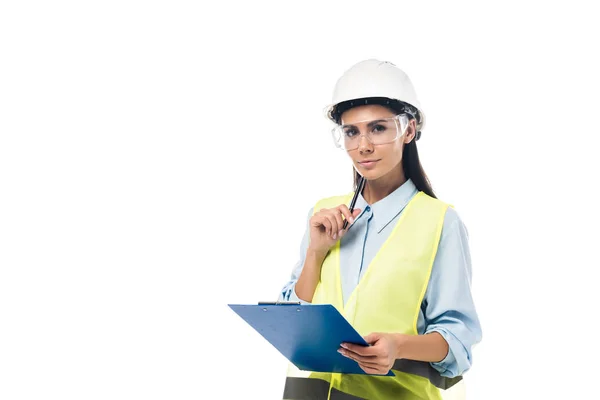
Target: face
375	161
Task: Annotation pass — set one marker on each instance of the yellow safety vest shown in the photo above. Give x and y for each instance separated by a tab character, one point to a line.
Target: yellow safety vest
387	299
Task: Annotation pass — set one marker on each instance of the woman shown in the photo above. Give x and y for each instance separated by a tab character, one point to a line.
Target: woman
400	271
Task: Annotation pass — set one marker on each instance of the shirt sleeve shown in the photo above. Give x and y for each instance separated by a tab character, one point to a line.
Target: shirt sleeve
288	293
448	306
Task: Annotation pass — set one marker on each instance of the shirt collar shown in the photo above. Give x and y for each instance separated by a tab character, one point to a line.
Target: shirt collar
386	209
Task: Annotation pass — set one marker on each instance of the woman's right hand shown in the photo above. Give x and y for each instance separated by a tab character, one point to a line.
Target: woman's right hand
326	227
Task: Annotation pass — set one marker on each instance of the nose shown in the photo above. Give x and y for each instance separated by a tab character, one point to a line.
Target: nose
364	145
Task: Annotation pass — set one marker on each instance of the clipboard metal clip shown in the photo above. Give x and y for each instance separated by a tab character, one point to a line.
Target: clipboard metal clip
279	303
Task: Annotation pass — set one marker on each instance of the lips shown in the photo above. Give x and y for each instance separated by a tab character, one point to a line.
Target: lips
368	163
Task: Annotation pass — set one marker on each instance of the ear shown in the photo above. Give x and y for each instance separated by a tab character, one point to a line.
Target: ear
411	131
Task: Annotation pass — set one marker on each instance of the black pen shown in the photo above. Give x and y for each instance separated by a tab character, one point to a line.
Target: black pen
360	186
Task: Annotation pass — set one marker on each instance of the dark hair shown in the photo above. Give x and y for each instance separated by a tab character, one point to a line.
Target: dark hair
410	156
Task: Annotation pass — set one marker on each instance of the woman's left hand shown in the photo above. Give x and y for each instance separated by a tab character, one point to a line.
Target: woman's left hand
377	358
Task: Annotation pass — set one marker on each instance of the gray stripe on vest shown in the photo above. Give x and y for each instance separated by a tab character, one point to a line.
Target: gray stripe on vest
305	389
312	389
337	395
424	369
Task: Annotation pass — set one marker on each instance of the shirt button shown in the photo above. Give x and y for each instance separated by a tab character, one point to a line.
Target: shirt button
367	208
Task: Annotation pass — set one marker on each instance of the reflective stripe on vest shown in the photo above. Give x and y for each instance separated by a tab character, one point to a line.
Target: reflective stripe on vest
425	370
387	299
312	389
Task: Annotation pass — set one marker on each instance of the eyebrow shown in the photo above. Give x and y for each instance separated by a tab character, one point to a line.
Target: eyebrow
370	124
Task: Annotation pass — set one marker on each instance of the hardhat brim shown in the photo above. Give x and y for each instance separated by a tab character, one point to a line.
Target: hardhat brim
331	109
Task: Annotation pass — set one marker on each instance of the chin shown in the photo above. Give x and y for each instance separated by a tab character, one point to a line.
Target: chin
370	174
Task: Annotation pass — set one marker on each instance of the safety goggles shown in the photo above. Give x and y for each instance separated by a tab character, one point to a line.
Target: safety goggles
378	131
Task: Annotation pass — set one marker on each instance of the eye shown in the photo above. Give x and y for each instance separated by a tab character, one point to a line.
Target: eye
349	132
379	128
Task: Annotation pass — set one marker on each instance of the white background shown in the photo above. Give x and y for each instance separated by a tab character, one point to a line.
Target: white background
158	160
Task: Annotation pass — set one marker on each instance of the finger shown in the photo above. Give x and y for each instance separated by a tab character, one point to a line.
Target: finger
360	350
358	358
371	338
367	369
339	220
375	365
371	370
326	223
317	219
334	225
347	214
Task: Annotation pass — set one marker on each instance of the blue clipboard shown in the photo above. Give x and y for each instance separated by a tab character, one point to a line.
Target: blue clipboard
309	336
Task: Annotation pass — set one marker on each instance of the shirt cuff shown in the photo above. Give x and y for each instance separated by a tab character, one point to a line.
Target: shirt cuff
448	366
294	297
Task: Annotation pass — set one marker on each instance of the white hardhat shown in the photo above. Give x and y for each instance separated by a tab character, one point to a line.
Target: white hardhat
375	79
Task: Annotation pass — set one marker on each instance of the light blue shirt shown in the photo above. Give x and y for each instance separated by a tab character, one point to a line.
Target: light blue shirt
447	307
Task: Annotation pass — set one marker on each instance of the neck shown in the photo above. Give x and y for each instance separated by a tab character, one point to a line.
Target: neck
379	188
